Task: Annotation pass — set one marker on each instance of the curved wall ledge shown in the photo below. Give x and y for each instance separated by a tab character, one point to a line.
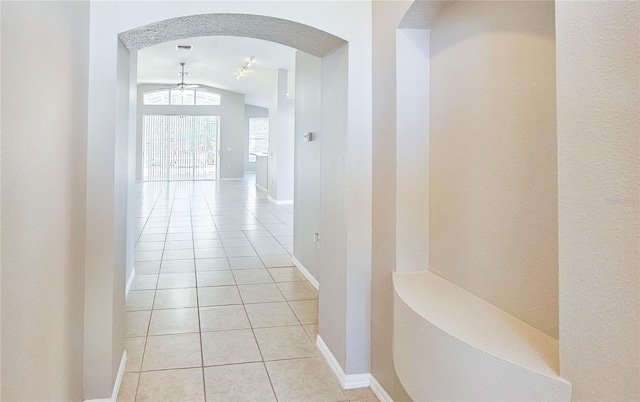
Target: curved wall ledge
450	345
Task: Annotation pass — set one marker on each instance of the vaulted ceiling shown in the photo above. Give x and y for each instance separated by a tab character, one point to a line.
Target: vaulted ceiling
215	60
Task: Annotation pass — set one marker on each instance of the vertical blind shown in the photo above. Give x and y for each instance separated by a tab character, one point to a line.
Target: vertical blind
180	147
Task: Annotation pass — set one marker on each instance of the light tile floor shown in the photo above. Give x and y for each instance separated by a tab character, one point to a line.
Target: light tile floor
216	311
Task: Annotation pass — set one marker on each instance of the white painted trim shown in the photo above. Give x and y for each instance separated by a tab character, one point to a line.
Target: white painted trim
231	178
331	360
116	385
305	273
259	187
354	381
130	282
285	202
379	390
350	381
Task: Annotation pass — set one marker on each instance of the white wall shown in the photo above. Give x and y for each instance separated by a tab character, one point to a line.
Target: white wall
307	162
262	171
386	18
106	194
0	214
493	176
251	111
286	129
281	149
232	142
232	138
333	206
412	152
598	55
124	217
44	123
132	161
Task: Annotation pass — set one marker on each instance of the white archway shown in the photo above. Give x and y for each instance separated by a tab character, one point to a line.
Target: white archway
111	149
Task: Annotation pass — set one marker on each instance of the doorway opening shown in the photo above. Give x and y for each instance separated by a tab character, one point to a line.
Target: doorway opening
180	147
340	126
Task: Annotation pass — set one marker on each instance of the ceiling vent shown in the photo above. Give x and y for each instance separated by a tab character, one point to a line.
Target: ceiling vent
184	48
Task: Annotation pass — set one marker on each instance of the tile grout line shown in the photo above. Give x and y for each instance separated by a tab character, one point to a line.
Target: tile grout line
148	217
193	204
255	339
154	295
204	382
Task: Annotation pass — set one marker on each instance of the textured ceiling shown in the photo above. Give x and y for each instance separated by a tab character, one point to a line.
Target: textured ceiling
299	36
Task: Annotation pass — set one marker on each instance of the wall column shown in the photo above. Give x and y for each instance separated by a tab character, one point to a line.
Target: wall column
598	82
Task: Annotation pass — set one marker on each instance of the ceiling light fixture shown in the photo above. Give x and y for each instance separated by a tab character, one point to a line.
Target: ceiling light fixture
182	85
244	68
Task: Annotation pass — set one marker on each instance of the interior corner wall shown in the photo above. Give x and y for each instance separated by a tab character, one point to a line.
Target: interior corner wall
232	143
386	18
251	111
106	197
122	229
493	165
412	150
307	161
0	212
332	315
272	155
285	149
44	123
598	54
281	127
132	147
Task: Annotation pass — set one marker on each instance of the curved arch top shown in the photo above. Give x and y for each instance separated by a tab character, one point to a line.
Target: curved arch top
299	36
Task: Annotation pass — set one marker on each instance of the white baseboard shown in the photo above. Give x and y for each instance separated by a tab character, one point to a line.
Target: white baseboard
231	178
116	385
259	187
306	273
379	391
350	381
130	282
284	202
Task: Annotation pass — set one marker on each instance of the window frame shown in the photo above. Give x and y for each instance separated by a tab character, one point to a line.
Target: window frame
264	139
216	96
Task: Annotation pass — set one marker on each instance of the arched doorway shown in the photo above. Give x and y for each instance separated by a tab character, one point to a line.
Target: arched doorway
107	250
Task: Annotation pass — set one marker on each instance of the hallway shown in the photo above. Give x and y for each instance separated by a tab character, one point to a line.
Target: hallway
216	310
